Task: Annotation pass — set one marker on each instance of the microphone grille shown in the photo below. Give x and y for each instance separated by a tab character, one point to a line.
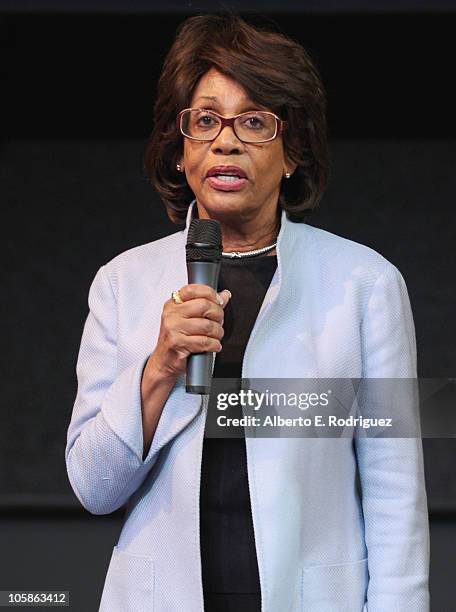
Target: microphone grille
204	240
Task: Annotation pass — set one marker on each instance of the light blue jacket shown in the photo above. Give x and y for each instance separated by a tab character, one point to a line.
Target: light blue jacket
334	309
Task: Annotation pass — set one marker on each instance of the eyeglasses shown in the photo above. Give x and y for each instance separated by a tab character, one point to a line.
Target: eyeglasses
251	127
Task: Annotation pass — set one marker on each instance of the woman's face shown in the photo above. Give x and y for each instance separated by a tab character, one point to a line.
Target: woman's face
264	164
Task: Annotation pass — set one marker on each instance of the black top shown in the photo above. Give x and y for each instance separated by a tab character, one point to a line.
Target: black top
228	553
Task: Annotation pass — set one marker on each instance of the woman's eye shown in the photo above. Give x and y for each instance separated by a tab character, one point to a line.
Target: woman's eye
253	122
205	120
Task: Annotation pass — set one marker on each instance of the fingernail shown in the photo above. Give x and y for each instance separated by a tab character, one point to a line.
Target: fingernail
229	293
220	299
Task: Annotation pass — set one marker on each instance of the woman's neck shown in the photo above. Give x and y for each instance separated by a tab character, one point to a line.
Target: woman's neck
249	235
249	241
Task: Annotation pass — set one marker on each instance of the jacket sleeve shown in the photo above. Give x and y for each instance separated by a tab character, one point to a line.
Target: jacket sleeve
391	469
104	451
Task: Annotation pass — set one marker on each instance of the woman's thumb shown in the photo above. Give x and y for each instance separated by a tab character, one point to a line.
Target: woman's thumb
224	297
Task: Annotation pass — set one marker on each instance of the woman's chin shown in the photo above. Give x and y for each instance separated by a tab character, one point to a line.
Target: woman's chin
223	203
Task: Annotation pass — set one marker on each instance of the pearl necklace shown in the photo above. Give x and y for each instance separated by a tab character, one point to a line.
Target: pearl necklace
242	254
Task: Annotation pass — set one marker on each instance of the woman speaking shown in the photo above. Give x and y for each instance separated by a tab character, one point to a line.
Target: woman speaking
270	524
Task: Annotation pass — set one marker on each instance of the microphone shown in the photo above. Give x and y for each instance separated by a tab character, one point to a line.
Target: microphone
204	256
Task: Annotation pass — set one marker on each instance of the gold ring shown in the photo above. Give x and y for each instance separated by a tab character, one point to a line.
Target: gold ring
177	297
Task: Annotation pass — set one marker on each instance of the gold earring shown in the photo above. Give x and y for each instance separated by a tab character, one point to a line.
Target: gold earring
179	168
287	175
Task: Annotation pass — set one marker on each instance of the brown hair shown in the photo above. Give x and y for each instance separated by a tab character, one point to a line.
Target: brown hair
275	71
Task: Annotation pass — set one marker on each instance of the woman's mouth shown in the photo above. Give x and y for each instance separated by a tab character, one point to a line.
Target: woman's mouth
226	182
226	179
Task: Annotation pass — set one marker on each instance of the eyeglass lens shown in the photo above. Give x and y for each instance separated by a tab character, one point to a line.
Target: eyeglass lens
253	126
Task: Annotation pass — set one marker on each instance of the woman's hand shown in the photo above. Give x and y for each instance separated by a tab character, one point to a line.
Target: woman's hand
196	326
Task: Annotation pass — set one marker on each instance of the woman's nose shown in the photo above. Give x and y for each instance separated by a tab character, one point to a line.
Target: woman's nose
227	142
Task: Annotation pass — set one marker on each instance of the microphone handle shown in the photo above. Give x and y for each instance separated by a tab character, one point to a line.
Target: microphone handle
199	365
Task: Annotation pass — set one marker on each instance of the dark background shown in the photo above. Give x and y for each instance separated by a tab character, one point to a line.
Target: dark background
76	110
